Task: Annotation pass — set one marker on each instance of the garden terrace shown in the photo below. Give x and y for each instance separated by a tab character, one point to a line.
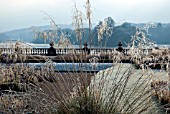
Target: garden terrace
100	55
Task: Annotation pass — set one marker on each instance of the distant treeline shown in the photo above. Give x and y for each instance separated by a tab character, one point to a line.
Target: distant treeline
121	33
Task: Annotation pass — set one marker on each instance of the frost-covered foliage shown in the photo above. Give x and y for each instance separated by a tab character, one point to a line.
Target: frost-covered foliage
55	34
64	40
47	34
88	16
140	38
105	28
78	24
15	51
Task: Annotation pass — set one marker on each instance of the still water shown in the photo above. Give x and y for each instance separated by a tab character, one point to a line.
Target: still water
73	66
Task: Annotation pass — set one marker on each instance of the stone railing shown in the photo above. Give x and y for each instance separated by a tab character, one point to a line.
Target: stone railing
62	51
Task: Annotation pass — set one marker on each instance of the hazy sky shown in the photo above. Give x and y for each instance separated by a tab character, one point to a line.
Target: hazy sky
15	14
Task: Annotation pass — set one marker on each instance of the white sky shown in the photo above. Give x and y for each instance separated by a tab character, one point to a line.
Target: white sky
15	14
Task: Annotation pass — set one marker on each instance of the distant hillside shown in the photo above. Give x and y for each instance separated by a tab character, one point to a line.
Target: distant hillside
123	33
25	35
161	34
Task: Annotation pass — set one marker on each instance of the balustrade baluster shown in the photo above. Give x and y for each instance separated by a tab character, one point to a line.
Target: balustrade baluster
38	51
34	51
59	51
106	51
44	51
64	51
41	51
92	51
31	51
26	51
95	51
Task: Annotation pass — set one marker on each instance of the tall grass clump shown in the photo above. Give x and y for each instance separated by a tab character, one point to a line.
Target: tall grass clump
119	89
